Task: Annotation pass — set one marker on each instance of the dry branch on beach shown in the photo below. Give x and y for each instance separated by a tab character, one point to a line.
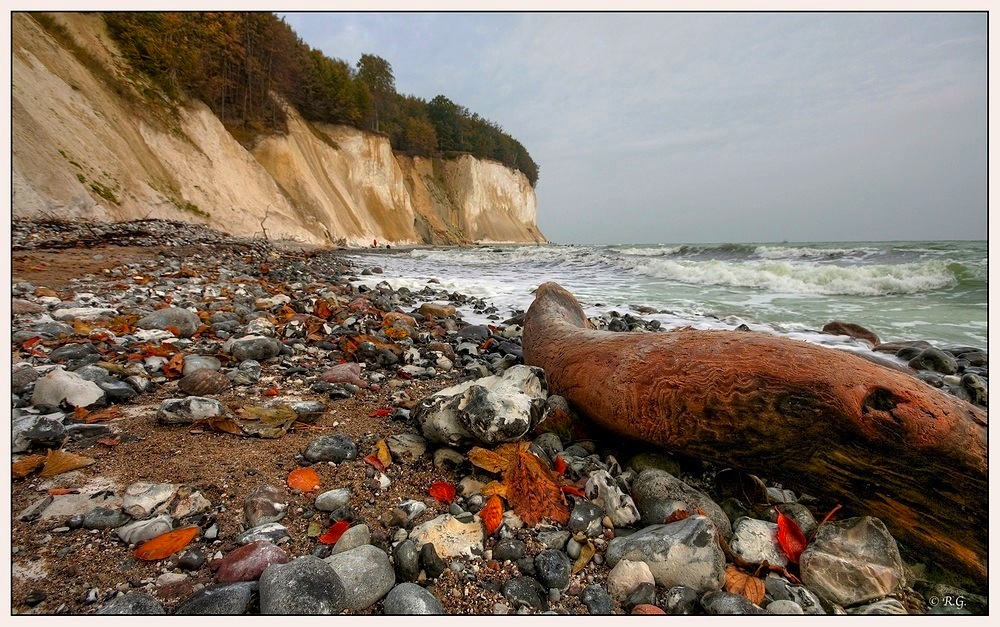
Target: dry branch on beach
834	424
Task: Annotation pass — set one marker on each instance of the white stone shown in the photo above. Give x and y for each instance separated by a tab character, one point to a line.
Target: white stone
626	577
605	493
757	540
58	386
489	410
450	536
142	498
84	313
141	530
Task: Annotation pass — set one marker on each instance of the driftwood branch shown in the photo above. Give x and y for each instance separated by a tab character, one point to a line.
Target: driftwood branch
825	421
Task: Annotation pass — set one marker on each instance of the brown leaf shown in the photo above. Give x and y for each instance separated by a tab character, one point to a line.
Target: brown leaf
175	367
532	491
166	544
224	425
738	582
58	462
322	309
104	415
27	466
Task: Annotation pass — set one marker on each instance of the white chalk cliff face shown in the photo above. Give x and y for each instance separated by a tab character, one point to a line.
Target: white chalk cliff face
84	147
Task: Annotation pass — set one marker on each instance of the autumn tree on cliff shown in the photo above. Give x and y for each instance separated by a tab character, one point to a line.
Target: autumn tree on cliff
375	74
243	64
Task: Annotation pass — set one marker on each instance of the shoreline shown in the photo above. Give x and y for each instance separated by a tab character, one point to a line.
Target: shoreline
244	288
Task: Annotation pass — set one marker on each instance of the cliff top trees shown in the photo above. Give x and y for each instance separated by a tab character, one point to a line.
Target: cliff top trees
376	74
236	62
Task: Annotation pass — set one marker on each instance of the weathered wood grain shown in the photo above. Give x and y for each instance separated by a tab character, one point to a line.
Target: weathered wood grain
835	425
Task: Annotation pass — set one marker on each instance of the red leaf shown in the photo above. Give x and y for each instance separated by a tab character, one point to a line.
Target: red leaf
575	491
442	491
336	530
31	342
271	391
791	538
559	464
379	413
375	462
679	514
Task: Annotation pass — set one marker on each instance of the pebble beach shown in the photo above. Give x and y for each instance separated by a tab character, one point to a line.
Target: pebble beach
205	424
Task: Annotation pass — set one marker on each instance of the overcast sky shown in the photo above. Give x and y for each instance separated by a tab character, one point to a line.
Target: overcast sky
671	128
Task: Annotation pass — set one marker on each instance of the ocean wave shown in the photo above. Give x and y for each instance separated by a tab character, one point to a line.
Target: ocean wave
801	277
797	252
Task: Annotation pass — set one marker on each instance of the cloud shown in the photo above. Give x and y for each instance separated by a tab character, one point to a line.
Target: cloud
643	121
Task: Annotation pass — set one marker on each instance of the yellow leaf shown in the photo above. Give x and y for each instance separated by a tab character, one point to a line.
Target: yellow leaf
738	582
495	487
586	553
58	462
382	453
486	459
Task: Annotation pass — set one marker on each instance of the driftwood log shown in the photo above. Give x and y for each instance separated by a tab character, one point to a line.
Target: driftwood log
828	422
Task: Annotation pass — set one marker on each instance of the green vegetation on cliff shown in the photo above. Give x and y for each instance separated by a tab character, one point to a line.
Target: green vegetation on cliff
236	61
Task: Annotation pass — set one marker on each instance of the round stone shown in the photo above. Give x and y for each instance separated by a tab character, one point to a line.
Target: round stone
411	599
335	448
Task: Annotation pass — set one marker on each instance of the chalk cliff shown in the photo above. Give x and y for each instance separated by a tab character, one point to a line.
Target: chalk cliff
92	140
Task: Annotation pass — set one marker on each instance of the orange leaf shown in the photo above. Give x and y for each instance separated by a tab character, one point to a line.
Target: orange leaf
31	342
174	330
27	466
271	391
575	491
379	413
492	514
61	491
303	479
442	491
80	413
533	493
738	582
333	534
167	544
791	538
115	441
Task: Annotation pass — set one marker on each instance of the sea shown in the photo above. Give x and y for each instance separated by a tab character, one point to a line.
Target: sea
933	291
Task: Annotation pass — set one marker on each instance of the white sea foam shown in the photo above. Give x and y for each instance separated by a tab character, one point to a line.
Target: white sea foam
802	278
